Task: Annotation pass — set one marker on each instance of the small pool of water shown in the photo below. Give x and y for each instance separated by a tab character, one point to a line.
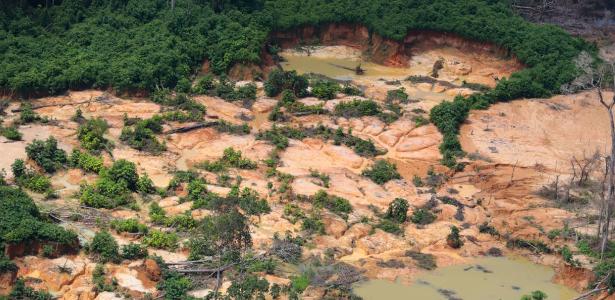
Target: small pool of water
338	68
493	278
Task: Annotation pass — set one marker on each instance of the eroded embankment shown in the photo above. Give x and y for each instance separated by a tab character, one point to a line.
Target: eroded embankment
380	50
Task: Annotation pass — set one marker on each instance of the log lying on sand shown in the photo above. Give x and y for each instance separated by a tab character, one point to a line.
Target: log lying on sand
192	127
102	98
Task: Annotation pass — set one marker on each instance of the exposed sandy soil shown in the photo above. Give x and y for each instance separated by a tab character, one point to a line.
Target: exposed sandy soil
524	133
548	132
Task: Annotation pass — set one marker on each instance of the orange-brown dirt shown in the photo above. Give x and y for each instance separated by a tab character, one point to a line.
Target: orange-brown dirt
521	145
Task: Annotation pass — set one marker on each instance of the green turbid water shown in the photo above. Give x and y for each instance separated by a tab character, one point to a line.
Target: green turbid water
490	278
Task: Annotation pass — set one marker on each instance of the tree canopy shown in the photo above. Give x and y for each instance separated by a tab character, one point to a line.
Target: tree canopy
144	44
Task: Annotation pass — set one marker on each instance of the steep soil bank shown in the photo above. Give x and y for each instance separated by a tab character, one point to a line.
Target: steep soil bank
378	49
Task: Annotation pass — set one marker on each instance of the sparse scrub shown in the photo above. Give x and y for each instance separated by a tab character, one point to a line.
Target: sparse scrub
382	172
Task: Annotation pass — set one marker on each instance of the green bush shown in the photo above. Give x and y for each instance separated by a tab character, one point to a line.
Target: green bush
27	114
183	85
104	247
535	295
357	108
91	135
161	240
313	225
454	239
85	161
382	172
397	96
422	216
279	81
133	251
226	234
47	154
335	204
21	291
248	287
30	179
398	210
175	286
142	136
389	226
325	89
124	171
11	133
223	126
129	225
204	84
145	185
6	265
99	280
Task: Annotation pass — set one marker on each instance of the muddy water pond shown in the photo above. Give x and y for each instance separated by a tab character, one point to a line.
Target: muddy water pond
493	278
340	68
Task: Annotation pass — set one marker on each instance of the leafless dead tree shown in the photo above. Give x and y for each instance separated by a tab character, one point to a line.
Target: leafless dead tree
610	186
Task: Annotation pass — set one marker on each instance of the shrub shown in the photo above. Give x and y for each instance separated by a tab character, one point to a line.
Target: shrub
129	225
299	283
105	193
99	280
454	239
85	161
145	185
357	108
133	251
569	257
382	172
486	228
91	134
104	247
279	81
161	240
6	265
422	216
226	234
11	133
183	85
389	226
142	137
313	225
47	154
398	210
204	84
397	96
248	287
124	171
335	204
424	261
174	286
27	114
21	220
535	295
157	214
223	126
21	291
325	89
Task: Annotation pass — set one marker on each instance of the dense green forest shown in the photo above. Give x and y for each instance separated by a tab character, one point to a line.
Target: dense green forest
142	45
51	46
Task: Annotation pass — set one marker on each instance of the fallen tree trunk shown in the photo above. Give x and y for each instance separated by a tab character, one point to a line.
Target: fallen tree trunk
205	270
97	99
192	127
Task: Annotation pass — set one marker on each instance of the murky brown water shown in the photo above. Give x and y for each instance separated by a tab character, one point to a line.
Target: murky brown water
335	67
486	279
